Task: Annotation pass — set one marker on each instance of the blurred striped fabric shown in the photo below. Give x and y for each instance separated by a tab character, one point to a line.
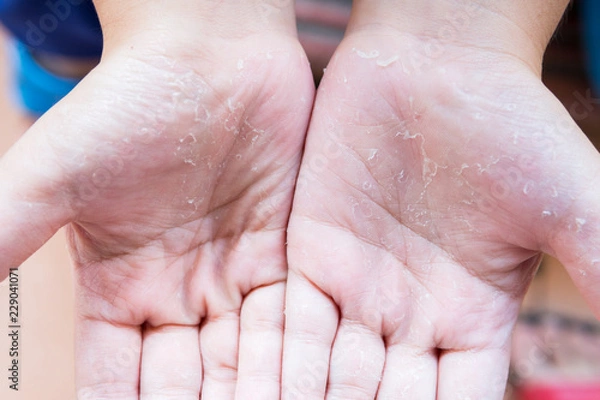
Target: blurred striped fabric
321	26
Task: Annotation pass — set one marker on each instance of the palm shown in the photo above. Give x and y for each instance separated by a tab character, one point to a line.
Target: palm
425	197
178	179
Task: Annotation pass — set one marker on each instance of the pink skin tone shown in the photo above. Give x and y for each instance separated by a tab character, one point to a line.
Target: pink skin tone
173	165
427	188
432	179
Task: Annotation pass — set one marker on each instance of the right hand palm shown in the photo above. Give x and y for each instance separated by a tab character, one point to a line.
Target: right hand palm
424	199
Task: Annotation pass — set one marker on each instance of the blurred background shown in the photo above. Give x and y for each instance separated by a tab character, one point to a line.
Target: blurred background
556	348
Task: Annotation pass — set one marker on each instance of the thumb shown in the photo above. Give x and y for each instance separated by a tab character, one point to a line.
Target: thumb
34	198
575	241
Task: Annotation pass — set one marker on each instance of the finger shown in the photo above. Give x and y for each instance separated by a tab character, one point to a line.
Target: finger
171	367
33	201
261	344
570	227
310	328
576	242
473	374
219	339
107	360
410	373
356	363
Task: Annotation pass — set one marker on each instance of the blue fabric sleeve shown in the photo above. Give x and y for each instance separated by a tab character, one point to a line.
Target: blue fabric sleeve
590	13
65	27
34	88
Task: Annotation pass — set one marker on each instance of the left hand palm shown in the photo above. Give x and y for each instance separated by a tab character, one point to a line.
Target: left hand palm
176	178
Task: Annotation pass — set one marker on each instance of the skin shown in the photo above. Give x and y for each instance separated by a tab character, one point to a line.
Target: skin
428	187
172	165
430	184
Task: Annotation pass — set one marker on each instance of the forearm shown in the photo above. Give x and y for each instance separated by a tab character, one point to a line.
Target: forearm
197	19
519	28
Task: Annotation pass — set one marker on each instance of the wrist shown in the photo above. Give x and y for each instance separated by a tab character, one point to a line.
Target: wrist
513	28
191	22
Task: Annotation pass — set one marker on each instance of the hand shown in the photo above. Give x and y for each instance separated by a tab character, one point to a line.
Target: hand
173	163
428	189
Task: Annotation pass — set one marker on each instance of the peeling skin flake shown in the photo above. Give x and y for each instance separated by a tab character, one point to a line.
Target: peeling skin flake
362	54
191	140
373	154
389	61
580	222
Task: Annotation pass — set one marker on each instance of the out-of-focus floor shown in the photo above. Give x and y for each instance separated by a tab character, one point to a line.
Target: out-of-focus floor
46	312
